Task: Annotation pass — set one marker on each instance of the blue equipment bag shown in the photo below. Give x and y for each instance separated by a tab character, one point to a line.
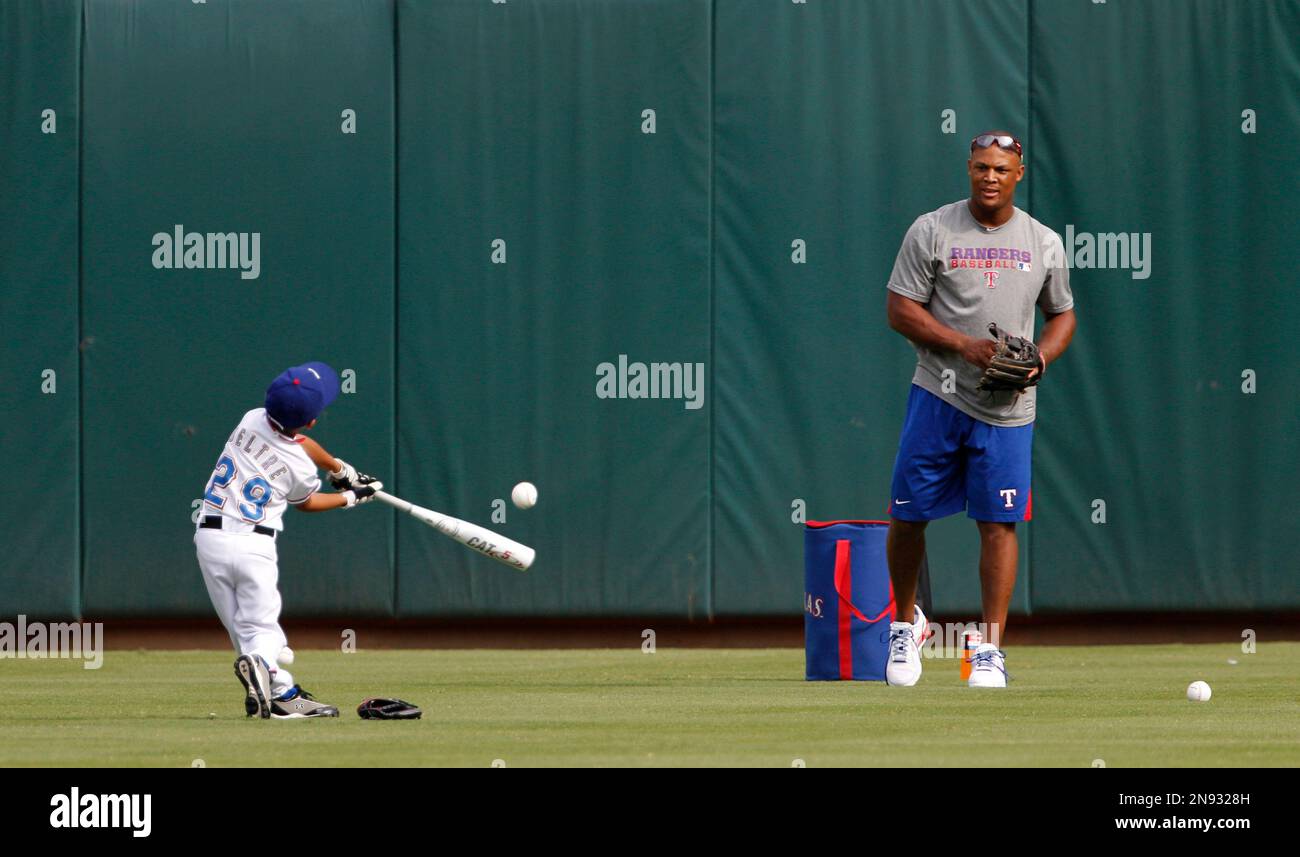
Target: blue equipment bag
848	600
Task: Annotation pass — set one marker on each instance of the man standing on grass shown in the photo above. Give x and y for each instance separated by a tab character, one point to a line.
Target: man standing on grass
963	267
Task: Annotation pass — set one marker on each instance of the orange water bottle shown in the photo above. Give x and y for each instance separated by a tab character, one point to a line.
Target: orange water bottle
970	642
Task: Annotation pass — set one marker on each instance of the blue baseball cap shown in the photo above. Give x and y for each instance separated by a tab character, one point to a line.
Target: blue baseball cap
300	393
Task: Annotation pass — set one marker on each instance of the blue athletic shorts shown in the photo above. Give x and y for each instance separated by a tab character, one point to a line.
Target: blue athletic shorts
949	461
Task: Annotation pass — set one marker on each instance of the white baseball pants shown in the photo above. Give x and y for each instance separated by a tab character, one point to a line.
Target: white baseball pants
242	574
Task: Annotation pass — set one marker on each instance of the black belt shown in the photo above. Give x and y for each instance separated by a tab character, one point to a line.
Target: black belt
213	522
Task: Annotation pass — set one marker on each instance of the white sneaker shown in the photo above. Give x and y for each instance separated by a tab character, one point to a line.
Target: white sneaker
988	667
903	668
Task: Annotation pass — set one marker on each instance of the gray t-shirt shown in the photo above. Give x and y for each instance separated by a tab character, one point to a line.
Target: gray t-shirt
971	275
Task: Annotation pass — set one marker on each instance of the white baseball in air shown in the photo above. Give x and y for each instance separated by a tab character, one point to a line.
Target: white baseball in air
1198	691
285	657
524	495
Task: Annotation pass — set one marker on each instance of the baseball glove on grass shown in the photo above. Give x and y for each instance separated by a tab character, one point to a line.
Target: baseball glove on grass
378	708
1014	362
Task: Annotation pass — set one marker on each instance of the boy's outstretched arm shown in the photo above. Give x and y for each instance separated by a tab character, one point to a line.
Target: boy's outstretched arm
323	502
318	455
342	500
336	469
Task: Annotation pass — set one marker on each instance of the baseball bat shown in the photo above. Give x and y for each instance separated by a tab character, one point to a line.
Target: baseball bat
478	538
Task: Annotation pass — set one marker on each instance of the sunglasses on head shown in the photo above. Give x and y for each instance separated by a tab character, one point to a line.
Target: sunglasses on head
1002	141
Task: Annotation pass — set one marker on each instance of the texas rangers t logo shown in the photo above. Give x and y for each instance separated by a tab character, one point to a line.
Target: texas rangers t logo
1008	494
990	277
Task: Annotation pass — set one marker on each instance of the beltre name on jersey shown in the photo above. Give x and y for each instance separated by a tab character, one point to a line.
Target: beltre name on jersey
260	471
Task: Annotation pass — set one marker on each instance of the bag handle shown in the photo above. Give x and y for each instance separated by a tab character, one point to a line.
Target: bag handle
844	583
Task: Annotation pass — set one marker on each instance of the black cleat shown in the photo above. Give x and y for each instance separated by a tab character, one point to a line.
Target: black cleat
256	678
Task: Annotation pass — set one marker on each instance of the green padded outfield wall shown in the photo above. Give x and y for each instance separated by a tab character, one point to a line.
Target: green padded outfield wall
40	527
544	230
473	206
1197	474
228	117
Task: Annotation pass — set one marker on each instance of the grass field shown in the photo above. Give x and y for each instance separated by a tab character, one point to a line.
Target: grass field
1067	706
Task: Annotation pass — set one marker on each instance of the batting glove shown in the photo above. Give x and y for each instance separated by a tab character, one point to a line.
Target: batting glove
361	494
343	478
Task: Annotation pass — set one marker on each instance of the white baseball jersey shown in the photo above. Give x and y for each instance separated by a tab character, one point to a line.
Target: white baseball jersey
258	473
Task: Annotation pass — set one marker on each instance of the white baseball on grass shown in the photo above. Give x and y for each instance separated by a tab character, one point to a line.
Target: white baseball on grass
1198	691
285	657
524	495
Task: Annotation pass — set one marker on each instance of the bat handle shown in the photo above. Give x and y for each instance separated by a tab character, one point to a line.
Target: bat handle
396	502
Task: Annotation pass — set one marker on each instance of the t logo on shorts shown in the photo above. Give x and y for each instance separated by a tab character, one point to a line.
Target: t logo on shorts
1008	494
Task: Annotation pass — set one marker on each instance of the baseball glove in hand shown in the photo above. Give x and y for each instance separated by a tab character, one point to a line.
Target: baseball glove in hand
1017	364
378	708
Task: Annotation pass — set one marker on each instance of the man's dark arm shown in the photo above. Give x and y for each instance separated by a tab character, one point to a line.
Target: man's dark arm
913	320
1057	332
